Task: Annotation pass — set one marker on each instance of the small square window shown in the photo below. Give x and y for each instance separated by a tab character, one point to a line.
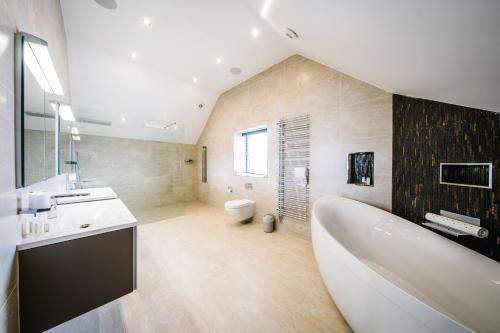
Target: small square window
250	152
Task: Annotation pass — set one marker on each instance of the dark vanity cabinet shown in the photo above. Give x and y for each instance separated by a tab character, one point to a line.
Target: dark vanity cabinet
60	281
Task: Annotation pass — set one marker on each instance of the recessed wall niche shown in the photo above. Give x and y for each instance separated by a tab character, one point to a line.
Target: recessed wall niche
360	168
467	174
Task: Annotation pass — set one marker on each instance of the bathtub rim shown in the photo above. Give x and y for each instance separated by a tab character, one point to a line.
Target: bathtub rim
382	284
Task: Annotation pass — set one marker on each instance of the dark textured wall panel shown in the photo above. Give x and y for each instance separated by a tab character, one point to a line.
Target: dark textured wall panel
427	133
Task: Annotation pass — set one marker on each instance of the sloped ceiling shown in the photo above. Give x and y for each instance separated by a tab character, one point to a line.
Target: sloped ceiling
184	40
445	50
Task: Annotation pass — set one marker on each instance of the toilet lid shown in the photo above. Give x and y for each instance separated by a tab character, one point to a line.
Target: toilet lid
238	203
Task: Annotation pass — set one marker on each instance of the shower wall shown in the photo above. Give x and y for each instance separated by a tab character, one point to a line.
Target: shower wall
145	174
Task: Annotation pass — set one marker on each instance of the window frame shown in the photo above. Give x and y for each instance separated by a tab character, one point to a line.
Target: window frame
243	135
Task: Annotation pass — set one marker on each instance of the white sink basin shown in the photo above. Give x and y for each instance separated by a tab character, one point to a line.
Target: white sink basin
91	215
80	220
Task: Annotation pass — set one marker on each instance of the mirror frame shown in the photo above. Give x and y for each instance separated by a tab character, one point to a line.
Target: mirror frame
20	38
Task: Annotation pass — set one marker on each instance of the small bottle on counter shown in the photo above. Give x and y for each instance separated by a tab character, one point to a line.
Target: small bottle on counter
26	226
36	225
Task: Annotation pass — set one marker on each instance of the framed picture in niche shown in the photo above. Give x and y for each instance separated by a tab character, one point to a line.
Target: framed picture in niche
360	168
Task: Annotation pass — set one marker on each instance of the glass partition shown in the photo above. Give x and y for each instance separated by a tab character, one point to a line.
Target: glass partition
145	165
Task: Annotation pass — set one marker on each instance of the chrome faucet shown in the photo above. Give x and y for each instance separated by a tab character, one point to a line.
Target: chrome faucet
27	211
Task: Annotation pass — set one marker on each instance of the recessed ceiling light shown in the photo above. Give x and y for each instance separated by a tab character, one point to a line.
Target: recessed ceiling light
218	61
235	70
255	32
291	34
133	55
146	21
124	119
195	80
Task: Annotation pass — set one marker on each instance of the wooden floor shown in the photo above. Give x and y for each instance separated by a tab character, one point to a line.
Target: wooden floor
200	272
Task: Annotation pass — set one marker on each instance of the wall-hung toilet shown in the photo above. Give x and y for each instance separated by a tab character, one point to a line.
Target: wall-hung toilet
240	209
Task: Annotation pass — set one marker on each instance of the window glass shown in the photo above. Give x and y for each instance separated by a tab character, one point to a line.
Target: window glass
250	152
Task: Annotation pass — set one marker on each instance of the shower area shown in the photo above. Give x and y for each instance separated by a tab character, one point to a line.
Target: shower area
152	171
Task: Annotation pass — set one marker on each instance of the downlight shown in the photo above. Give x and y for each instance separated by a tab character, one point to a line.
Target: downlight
290	33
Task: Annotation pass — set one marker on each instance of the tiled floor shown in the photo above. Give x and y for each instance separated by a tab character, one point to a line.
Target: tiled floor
155	214
200	272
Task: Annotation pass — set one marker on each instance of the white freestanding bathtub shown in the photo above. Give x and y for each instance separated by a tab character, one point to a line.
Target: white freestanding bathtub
387	274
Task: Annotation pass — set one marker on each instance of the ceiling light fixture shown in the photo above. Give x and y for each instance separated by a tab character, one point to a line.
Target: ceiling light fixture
255	32
124	119
146	21
291	33
133	55
154	126
162	127
265	8
195	80
218	61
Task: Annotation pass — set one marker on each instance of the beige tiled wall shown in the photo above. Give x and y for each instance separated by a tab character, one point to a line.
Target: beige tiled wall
41	18
347	115
145	174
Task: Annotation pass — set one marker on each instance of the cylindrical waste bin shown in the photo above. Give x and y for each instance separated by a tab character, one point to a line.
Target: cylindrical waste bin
268	223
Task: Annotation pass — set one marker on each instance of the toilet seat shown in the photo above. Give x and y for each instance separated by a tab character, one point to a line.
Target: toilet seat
238	203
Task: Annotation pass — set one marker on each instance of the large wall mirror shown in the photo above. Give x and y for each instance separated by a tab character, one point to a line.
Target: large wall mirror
37	121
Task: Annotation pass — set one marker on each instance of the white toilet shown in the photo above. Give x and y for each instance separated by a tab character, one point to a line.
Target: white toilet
240	209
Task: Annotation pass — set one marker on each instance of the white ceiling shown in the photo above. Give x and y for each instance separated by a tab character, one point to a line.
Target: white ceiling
183	42
446	50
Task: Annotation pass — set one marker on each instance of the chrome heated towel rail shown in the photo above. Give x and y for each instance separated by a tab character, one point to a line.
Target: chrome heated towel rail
293	168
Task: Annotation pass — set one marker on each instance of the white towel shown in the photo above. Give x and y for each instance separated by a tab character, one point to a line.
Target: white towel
300	173
301	176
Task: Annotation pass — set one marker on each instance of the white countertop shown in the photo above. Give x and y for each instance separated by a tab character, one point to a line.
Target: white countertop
87	194
103	216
